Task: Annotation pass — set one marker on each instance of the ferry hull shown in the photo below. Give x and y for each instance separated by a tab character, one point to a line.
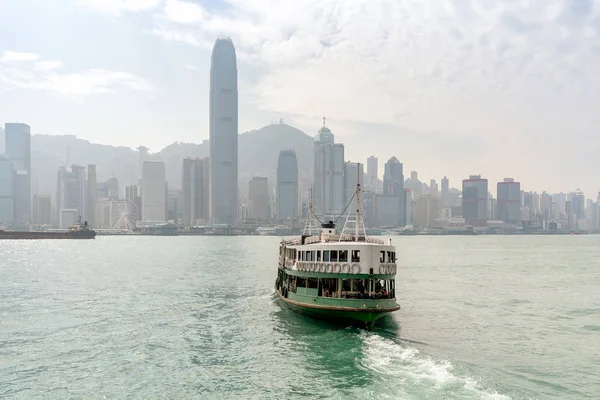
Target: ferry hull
347	315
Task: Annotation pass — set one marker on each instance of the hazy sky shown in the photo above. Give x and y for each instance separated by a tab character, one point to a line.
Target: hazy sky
501	88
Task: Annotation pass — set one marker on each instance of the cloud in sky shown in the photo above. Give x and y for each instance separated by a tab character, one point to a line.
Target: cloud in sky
517	79
118	7
469	63
29	71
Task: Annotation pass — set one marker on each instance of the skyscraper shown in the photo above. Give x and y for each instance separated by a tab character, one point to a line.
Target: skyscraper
475	200
287	185
154	191
92	195
445	191
18	151
7	202
433	187
328	189
372	171
194	191
509	201
393	178
578	204
426	211
258	198
390	207
70	195
223	133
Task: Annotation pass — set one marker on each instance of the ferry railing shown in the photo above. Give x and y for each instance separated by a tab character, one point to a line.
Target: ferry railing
312	239
332	238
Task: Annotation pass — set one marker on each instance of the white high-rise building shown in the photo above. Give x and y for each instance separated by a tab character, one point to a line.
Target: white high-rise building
223	133
154	207
328	186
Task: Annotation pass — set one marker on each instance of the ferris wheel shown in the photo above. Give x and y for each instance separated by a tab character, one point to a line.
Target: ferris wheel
123	214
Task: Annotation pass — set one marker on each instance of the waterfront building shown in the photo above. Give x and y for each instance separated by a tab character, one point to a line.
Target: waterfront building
195	199
509	201
70	194
258	198
475	200
427	209
154	191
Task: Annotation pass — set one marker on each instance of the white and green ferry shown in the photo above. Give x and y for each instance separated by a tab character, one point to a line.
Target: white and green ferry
342	276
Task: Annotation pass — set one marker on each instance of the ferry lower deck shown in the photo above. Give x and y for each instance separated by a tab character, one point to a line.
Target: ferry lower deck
354	298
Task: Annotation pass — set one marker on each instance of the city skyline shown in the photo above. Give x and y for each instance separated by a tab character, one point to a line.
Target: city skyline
590	189
390	203
507	98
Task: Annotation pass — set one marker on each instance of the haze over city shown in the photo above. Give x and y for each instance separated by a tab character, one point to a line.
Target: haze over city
450	89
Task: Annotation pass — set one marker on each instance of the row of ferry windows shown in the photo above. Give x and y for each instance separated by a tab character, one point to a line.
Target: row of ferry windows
349	289
329	255
342	256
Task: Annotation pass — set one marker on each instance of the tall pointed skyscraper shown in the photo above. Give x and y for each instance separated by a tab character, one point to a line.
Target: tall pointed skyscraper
223	133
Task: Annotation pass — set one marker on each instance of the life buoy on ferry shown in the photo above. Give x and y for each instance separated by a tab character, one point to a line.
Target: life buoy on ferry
394	270
328	268
322	267
381	269
313	267
346	268
337	268
355	268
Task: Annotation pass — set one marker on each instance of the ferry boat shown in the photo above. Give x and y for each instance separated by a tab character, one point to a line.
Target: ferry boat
345	276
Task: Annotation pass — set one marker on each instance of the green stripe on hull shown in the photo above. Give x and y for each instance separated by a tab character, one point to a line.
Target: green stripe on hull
338	308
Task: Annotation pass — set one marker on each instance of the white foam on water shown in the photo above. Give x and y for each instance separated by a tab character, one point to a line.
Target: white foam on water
408	366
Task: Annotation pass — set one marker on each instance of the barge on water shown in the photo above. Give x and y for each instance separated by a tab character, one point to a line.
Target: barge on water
79	231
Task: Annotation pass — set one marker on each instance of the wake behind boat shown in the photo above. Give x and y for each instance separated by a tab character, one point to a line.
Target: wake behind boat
344	276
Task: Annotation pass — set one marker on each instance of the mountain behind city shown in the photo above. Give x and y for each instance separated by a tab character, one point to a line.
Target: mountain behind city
258	153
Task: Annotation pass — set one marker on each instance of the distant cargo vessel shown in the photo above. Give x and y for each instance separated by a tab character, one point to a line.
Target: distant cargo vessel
79	231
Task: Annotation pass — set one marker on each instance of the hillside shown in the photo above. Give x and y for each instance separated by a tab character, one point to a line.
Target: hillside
258	152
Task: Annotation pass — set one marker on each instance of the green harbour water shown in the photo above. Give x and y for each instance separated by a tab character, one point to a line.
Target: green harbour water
483	317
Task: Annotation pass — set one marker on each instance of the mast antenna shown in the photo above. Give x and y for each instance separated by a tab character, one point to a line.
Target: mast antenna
310	225
357	219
